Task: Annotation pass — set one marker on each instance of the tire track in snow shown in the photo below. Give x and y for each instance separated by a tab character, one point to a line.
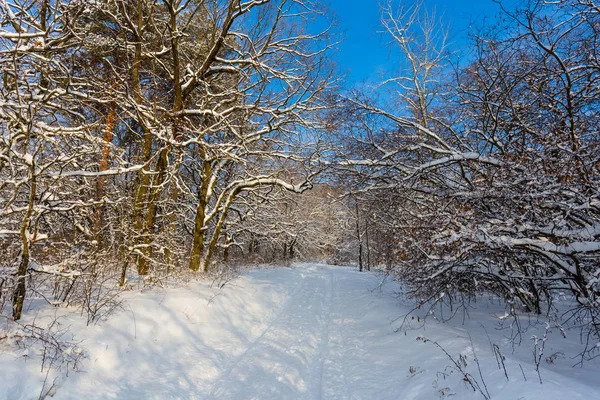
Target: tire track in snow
237	359
285	361
324	347
343	341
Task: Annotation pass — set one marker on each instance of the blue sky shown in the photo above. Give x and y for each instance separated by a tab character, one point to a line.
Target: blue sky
364	52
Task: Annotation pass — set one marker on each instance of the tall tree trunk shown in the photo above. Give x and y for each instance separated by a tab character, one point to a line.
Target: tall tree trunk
125	262
367	243
197	251
251	246
291	252
161	167
143	183
21	288
103	166
151	212
216	234
228	241
170	230
358	237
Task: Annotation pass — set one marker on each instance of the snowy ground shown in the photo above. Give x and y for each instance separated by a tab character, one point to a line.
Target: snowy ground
309	332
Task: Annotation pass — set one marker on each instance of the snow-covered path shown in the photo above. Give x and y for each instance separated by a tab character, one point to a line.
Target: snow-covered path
309	332
286	360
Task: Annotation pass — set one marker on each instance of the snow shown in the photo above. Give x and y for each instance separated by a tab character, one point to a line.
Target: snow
307	332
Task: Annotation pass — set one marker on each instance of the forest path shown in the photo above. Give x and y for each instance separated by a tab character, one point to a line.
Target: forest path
286	360
306	332
282	333
332	339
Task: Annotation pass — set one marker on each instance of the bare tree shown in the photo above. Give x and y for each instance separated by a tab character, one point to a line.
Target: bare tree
493	178
133	129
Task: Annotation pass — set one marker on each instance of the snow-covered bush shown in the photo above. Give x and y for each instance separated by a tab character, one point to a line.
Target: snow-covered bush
492	168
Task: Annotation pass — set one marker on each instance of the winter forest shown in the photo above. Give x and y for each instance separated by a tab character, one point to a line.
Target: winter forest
166	149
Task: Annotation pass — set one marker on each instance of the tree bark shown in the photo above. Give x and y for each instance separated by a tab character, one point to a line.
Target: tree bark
21	288
141	192
358	237
367	243
199	230
151	212
103	166
217	232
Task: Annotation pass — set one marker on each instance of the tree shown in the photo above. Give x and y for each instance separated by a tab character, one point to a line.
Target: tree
133	129
494	179
47	135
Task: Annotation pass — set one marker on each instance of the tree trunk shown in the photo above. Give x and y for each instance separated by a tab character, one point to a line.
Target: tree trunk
228	241
123	272
360	249
367	243
199	230
151	212
161	166
21	289
291	252
141	192
103	166
217	233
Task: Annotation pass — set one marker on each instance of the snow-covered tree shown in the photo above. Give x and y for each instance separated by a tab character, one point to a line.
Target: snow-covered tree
493	171
132	128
